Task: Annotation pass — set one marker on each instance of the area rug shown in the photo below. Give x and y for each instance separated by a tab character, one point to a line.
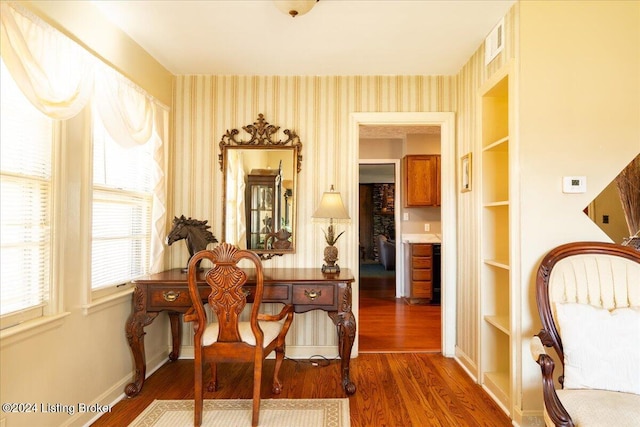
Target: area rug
237	413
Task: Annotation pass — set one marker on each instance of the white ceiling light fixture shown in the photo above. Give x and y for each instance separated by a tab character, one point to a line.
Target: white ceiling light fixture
295	7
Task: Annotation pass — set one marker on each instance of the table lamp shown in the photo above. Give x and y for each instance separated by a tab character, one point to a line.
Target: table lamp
331	207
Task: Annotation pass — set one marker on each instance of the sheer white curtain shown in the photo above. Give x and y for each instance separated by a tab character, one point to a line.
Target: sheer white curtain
236	230
57	76
132	118
126	111
53	72
159	208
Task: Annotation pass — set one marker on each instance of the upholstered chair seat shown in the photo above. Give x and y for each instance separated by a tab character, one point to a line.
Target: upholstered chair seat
597	408
271	330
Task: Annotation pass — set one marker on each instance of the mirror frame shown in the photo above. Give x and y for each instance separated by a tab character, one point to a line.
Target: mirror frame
263	137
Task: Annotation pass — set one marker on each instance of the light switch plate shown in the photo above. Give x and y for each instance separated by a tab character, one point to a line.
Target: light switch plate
574	184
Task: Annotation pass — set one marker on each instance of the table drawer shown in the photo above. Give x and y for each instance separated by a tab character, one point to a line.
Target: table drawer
169	297
314	294
421	290
272	293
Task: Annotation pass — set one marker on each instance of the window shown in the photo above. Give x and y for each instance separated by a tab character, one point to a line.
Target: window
122	201
26	143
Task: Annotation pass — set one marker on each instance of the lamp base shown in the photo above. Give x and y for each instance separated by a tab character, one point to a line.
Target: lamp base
330	268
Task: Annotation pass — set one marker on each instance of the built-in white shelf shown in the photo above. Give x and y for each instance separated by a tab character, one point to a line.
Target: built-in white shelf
499	322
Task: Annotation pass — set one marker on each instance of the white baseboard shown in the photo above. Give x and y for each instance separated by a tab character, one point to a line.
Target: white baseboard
115	393
527	418
467	364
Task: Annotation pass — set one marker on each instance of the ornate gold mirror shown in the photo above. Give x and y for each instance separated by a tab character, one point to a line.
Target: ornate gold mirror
260	188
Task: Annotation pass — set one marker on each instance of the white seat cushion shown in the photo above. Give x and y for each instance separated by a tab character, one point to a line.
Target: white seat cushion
270	329
598	408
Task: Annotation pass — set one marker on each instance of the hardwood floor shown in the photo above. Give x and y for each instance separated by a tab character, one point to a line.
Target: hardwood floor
402	379
390	324
394	390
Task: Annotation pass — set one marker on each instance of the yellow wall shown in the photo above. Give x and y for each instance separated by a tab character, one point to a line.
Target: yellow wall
579	114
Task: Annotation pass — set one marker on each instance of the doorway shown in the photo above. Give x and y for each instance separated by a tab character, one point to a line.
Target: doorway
387	323
446	123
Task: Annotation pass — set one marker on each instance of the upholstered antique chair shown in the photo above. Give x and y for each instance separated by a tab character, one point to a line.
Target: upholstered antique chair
588	297
386	252
229	339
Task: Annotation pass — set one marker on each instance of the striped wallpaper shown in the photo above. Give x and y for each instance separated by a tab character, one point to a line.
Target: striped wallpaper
318	108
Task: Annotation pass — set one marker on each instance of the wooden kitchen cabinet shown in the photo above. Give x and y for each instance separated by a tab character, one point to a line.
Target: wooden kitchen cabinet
421	178
419	271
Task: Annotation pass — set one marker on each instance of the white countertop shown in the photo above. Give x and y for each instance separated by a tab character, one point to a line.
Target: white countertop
421	238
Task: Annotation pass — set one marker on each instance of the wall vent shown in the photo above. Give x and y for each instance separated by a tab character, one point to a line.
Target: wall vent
494	43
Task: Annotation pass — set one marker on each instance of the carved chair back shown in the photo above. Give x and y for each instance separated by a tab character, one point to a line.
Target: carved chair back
228	339
228	296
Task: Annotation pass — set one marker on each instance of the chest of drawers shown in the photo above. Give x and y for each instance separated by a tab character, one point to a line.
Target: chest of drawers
419	271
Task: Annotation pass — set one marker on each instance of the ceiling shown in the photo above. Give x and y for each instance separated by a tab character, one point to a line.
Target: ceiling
337	37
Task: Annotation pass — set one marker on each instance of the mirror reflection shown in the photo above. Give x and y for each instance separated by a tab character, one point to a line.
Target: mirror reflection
260	189
615	209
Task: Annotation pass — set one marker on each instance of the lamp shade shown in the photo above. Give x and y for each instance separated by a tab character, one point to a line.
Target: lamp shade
295	7
331	206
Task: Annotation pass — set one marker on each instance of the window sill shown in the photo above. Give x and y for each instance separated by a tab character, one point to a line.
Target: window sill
30	328
107	301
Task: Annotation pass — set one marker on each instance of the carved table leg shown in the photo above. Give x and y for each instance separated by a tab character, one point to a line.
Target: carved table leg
346	327
134	329
176	335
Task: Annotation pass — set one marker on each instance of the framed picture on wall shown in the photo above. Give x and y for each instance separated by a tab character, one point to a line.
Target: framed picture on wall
465	173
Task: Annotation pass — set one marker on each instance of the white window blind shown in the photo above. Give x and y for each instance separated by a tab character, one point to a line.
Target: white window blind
26	141
121	219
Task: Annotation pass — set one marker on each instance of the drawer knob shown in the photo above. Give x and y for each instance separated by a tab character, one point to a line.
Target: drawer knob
170	296
312	294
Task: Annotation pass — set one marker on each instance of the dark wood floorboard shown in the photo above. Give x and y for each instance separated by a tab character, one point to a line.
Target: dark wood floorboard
393	390
402	379
390	324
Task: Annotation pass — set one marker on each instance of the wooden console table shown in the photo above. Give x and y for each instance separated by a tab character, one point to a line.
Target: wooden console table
306	288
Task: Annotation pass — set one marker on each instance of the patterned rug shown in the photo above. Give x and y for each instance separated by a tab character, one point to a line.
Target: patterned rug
237	413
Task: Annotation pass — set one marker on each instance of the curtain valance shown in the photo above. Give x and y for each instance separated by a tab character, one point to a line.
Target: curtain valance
59	77
54	73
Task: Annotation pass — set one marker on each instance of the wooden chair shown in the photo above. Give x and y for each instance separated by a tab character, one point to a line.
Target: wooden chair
588	297
230	340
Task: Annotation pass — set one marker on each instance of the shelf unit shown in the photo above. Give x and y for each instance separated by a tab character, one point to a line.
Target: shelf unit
263	195
496	292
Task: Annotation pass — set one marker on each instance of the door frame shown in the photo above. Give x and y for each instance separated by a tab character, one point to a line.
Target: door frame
446	121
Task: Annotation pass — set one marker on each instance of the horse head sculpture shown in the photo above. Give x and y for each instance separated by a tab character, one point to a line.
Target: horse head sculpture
195	233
